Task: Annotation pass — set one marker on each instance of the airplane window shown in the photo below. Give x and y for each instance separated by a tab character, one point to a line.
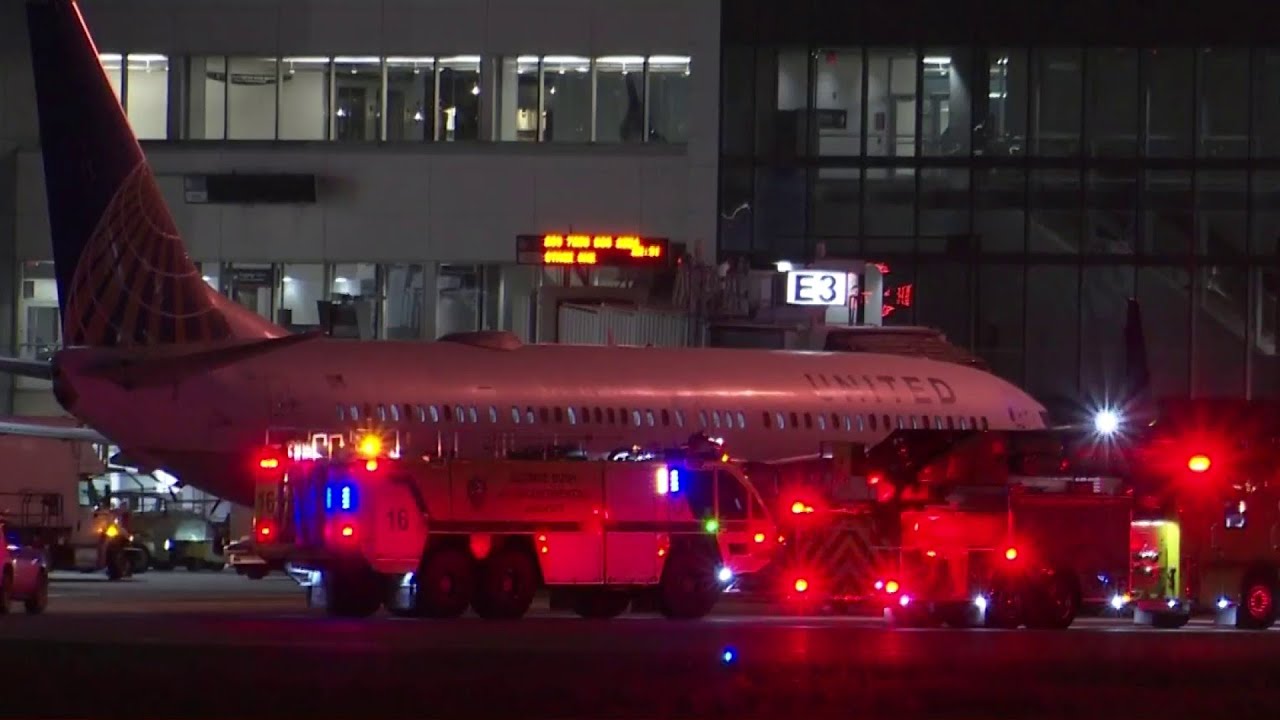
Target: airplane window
963	425
559	415
635	418
781	423
768	422
795	421
355	413
544	414
901	425
873	422
382	413
368	410
951	422
973	422
648	415
1012	417
715	419
493	414
475	417
822	421
835	421
808	421
622	416
395	413
573	418
839	381
861	427
528	414
586	415
666	417
342	413
702	417
611	418
984	423
679	417
742	420
435	414
446	412
600	417
460	413
915	423
887	425
515	414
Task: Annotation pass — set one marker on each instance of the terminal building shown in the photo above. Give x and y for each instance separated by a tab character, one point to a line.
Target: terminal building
1013	172
383	154
1021	170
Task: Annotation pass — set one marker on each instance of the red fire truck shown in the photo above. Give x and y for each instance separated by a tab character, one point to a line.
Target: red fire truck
965	527
1207	538
486	534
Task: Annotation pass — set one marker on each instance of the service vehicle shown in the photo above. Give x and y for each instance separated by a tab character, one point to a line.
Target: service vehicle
24	576
1207	539
993	528
49	503
487	534
171	532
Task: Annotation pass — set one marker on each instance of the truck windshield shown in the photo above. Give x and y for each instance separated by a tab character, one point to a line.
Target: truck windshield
733	497
700	492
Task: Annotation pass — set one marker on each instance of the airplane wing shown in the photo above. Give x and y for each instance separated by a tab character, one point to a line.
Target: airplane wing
26	368
50	431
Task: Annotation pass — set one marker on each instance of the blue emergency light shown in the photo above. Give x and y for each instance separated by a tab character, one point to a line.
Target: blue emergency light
340	496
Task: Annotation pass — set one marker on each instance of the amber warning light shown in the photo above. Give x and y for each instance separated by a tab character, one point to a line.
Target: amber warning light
580	249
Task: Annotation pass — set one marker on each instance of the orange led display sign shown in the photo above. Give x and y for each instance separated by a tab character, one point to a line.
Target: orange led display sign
581	249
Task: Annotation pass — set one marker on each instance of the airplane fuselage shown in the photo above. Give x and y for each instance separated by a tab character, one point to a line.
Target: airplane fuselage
477	400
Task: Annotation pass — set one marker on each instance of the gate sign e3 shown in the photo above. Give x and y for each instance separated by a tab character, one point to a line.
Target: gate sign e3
817	287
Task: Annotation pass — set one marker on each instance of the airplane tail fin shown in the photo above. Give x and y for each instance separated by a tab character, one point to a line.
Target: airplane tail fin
123	275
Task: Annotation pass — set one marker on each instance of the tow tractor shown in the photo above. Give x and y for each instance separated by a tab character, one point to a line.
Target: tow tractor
433	537
966	528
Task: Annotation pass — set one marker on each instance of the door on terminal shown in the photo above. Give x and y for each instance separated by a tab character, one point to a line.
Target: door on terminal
252	286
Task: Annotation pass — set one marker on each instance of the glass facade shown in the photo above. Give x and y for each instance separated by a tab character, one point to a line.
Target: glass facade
1020	191
405	98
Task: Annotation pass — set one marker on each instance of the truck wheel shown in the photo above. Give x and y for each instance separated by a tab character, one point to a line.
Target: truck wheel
1257	609
689	588
600	604
507	582
193	565
117	565
256	572
1054	602
446	583
6	591
141	560
1004	609
352	592
39	599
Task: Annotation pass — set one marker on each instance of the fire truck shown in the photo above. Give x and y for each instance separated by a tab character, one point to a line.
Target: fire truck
433	537
966	528
1207	535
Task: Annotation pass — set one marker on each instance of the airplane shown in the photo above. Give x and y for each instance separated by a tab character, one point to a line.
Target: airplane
185	380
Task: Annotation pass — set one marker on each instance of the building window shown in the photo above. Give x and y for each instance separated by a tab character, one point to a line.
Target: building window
459	108
566	99
112	65
302	286
411	97
207	98
251	98
668	98
947	83
357	87
147	95
402	301
304	98
619	98
1059	91
518	115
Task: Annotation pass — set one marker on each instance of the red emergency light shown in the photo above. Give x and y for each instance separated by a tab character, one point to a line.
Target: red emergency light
269	463
1199	463
347	531
265	530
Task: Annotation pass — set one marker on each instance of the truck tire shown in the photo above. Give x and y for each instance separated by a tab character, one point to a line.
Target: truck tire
352	592
1004	609
39	599
6	590
141	560
600	604
689	588
445	584
256	572
508	579
1257	609
1053	602
117	564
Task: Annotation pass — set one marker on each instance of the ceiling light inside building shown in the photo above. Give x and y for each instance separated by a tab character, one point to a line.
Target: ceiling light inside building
937	60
